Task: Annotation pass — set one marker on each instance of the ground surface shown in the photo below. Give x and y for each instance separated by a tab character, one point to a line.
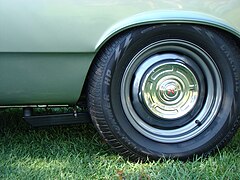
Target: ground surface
77	152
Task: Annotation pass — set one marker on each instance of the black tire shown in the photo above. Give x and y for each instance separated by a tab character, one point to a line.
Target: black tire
120	96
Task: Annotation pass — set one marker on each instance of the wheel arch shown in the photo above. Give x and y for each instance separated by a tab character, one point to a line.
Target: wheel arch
167	17
163	17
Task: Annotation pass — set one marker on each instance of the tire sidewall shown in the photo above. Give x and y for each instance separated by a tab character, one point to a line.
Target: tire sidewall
127	47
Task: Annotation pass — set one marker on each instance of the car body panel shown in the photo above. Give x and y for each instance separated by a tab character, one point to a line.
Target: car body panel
163	17
47	47
80	25
42	78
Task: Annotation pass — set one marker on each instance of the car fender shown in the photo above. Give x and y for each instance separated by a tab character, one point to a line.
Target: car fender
161	17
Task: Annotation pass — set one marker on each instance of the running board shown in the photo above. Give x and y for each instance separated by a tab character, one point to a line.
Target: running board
57	119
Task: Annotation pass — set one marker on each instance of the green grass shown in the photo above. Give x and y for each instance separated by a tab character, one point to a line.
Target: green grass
77	152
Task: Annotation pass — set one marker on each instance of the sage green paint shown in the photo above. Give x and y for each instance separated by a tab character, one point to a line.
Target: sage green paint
47	46
81	25
42	78
156	17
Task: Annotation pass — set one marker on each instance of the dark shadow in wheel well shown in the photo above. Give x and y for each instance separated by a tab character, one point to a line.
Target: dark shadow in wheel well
83	96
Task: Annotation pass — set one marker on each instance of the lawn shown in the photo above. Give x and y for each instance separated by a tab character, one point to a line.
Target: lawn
77	152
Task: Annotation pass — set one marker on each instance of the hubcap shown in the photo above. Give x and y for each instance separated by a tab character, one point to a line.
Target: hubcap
170	89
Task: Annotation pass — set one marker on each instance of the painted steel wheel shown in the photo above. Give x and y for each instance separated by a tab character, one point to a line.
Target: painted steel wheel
166	91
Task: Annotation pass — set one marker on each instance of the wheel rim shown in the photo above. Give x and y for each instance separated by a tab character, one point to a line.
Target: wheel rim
171	81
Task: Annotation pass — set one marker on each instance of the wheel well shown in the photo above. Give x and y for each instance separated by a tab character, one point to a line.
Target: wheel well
221	30
231	34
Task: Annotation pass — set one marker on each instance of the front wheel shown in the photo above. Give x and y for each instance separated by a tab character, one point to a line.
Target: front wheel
166	91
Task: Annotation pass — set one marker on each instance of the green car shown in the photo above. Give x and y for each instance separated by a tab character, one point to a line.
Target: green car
160	78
